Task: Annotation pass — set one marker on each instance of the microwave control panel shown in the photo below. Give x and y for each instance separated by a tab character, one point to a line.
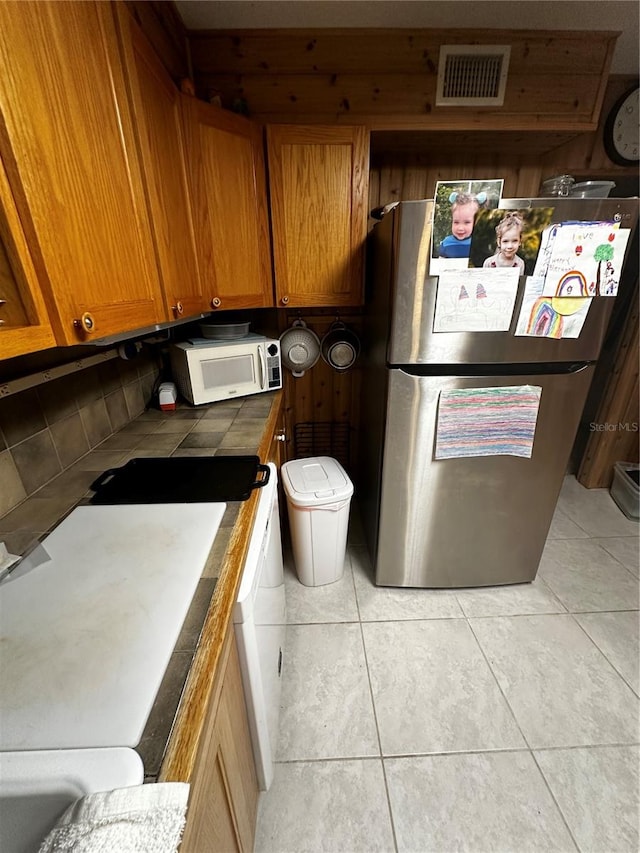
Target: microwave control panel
274	369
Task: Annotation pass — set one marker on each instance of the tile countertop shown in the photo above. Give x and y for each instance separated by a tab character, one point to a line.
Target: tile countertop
238	427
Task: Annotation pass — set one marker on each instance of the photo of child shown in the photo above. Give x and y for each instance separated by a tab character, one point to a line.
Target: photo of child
464	207
508	239
457	203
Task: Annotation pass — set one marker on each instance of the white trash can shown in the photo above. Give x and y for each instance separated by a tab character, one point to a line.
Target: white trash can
318	494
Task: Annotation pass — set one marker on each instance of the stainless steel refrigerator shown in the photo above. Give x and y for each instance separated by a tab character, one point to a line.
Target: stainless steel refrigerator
476	520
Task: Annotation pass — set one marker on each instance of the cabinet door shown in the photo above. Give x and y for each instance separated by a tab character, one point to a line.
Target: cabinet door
227	184
224	791
158	126
318	179
24	324
67	143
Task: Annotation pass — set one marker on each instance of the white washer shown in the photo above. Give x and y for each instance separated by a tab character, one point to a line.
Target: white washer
260	628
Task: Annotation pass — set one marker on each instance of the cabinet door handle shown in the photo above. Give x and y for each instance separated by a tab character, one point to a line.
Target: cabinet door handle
86	323
216	302
285	300
281	436
178	308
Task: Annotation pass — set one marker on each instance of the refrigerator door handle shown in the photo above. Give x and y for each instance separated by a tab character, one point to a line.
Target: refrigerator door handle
579	366
488	370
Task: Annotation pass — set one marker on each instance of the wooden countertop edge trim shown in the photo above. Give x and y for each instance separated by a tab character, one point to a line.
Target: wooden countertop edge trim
182	748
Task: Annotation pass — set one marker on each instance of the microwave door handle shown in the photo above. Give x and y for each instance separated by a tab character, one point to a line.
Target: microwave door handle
263	368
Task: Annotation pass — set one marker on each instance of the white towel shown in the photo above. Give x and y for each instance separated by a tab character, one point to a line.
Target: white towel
140	819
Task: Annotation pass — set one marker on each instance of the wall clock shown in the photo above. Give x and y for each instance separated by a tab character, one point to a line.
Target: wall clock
622	130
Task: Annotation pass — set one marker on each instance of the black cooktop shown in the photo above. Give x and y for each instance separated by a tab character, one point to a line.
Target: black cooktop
188	479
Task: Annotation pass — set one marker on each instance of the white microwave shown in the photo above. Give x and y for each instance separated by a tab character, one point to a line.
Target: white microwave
206	371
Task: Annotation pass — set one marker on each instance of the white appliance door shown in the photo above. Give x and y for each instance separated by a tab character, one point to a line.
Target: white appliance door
260	628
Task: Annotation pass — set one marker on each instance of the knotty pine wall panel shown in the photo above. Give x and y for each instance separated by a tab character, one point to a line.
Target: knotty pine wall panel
387	78
585	155
323	395
408	167
391	182
398	51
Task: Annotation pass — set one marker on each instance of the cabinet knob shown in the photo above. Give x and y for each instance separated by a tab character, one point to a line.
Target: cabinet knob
281	436
216	302
86	323
285	300
178	308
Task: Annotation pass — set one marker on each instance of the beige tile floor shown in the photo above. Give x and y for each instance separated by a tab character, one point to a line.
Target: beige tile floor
492	720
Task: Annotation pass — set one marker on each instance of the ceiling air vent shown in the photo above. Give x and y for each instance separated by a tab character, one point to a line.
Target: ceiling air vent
472	75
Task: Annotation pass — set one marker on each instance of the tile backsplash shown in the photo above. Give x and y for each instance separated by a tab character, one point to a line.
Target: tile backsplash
45	430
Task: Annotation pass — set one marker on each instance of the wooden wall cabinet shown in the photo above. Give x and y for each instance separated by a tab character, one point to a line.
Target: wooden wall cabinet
156	107
318	179
227	184
223	799
66	140
24	322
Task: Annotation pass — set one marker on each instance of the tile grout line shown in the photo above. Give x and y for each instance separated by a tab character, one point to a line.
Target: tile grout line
335	759
613	556
495	677
524	737
551	591
591	640
375	715
557	804
575	613
439	754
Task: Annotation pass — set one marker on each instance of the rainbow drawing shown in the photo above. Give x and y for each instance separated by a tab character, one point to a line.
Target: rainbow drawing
572	283
544	321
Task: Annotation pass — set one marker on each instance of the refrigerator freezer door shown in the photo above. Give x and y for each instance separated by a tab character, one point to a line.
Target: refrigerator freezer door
413	292
474	521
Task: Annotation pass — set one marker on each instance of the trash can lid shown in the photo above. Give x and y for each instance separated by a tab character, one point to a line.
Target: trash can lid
316	481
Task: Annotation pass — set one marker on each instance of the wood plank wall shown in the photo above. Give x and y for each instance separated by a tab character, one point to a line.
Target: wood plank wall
324	395
413	178
386	78
618	409
409	168
585	154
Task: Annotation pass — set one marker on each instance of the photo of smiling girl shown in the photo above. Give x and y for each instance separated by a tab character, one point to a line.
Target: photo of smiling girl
508	239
